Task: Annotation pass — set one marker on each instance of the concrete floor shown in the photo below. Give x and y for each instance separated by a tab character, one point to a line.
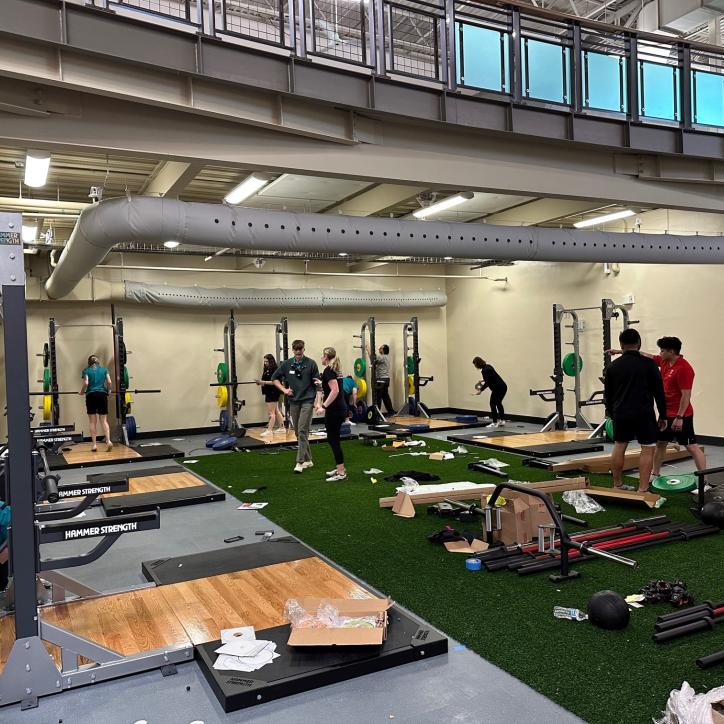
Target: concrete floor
460	687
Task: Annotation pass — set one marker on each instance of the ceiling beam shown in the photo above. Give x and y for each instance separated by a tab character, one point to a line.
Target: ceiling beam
542	211
376	200
170	178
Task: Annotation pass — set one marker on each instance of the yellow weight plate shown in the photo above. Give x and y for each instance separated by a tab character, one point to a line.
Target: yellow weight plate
361	388
410	384
128	398
47	407
222	396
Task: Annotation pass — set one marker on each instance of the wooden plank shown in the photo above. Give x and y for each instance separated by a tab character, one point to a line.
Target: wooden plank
129	622
81	453
288	437
632	496
602	463
254	597
432	422
155	483
532	439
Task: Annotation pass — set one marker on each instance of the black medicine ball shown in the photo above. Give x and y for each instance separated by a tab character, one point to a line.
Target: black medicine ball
608	610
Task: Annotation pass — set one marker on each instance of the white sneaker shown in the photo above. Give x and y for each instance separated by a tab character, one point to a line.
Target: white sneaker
501	423
330	473
307	464
280	431
109	446
492	424
267	433
336	477
299	468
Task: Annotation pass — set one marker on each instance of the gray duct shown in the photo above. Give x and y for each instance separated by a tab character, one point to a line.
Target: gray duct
274	298
141	218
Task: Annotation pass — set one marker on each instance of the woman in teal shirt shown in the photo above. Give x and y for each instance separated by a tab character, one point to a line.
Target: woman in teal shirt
96	388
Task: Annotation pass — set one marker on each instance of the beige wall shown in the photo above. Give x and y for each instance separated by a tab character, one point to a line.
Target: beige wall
172	348
511	327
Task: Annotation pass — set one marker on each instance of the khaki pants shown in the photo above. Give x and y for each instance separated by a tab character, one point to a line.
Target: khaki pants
301	413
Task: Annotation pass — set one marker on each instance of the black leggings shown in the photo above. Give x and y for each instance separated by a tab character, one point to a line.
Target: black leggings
496	403
383	395
333	419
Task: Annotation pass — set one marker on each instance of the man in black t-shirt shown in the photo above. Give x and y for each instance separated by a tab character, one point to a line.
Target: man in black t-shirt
631	388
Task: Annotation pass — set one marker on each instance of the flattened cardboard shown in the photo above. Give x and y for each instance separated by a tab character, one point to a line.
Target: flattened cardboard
343	636
462	546
648	499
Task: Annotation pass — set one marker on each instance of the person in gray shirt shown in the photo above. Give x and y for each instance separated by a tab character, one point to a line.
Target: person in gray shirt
299	373
382	384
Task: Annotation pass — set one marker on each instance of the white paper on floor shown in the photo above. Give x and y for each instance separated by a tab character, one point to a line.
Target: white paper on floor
495	463
373	471
252	506
460	450
253	654
189	462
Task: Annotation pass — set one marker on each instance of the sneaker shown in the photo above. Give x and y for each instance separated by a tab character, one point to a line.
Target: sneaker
299	468
492	424
94	448
330	473
336	477
502	423
266	433
280	431
307	464
109	446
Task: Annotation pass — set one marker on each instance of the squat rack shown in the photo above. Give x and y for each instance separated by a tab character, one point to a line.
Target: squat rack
29	671
228	416
410	351
558	420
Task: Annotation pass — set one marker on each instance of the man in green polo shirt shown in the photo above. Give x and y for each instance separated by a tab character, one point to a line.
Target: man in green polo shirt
299	373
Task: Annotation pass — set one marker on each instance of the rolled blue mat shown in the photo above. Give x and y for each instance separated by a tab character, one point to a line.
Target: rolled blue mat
473	564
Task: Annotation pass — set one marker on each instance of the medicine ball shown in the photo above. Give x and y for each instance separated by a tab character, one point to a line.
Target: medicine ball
607	609
713	513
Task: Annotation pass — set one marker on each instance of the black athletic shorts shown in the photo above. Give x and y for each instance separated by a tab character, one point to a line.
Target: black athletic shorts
685	437
642	428
96	403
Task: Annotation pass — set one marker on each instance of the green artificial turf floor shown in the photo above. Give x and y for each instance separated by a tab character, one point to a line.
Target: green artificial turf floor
602	676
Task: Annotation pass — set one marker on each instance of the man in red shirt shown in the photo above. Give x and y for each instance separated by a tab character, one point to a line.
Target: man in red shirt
678	377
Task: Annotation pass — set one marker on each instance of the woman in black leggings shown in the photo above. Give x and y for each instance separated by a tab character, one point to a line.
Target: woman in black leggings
498	389
332	405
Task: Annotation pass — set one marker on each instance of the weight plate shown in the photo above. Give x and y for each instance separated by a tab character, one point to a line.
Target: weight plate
223	421
361	388
608	427
675	483
479	386
410	384
131	427
46	380
410	365
125	378
46	354
222	396
569	364
47	407
360	367
222	373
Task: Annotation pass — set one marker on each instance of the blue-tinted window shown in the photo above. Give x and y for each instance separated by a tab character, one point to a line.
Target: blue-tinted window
707	98
546	71
659	90
604	81
482	57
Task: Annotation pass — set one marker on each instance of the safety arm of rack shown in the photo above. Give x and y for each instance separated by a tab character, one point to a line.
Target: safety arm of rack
51	564
77	509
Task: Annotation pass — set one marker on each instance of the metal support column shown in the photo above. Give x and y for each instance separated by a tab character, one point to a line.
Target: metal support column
53	362
577	70
381	58
687	119
516	57
560	420
210	17
633	78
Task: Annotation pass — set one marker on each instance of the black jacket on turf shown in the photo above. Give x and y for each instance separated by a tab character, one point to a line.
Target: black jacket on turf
632	386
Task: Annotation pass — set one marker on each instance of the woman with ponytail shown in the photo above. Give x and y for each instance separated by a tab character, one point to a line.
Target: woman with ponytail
332	405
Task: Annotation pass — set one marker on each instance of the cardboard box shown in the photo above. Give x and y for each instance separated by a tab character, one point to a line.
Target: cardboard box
343	636
717	713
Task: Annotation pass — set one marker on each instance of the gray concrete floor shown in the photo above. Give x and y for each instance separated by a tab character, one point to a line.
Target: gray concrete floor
460	687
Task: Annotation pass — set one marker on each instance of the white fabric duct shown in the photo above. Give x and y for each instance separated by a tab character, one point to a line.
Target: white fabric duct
226	298
142	218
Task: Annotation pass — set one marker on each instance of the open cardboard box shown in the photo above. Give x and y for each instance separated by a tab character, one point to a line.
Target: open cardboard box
343	636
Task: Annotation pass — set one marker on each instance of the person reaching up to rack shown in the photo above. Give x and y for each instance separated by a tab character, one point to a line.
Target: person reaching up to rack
498	389
382	383
96	388
332	405
271	397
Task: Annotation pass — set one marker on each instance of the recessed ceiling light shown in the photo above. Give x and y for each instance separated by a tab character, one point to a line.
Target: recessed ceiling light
37	164
171	244
604	219
248	187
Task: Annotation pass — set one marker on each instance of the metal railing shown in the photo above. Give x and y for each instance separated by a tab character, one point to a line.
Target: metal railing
526	54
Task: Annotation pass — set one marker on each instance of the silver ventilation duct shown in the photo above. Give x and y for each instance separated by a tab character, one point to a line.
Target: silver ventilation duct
141	218
226	298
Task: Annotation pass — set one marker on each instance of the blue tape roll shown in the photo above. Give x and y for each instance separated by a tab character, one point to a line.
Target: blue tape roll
473	564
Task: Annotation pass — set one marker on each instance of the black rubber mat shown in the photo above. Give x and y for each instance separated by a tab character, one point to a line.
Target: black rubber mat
224	560
300	669
171	498
155	452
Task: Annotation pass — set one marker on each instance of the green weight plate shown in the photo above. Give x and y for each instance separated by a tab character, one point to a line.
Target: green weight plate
608	427
569	364
125	377
46	354
675	483
222	373
410	365
360	367
46	380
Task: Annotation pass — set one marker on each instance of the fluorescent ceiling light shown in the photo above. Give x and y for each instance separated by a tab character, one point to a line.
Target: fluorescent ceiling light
171	244
30	231
248	187
443	205
343	253
37	164
447	258
604	219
